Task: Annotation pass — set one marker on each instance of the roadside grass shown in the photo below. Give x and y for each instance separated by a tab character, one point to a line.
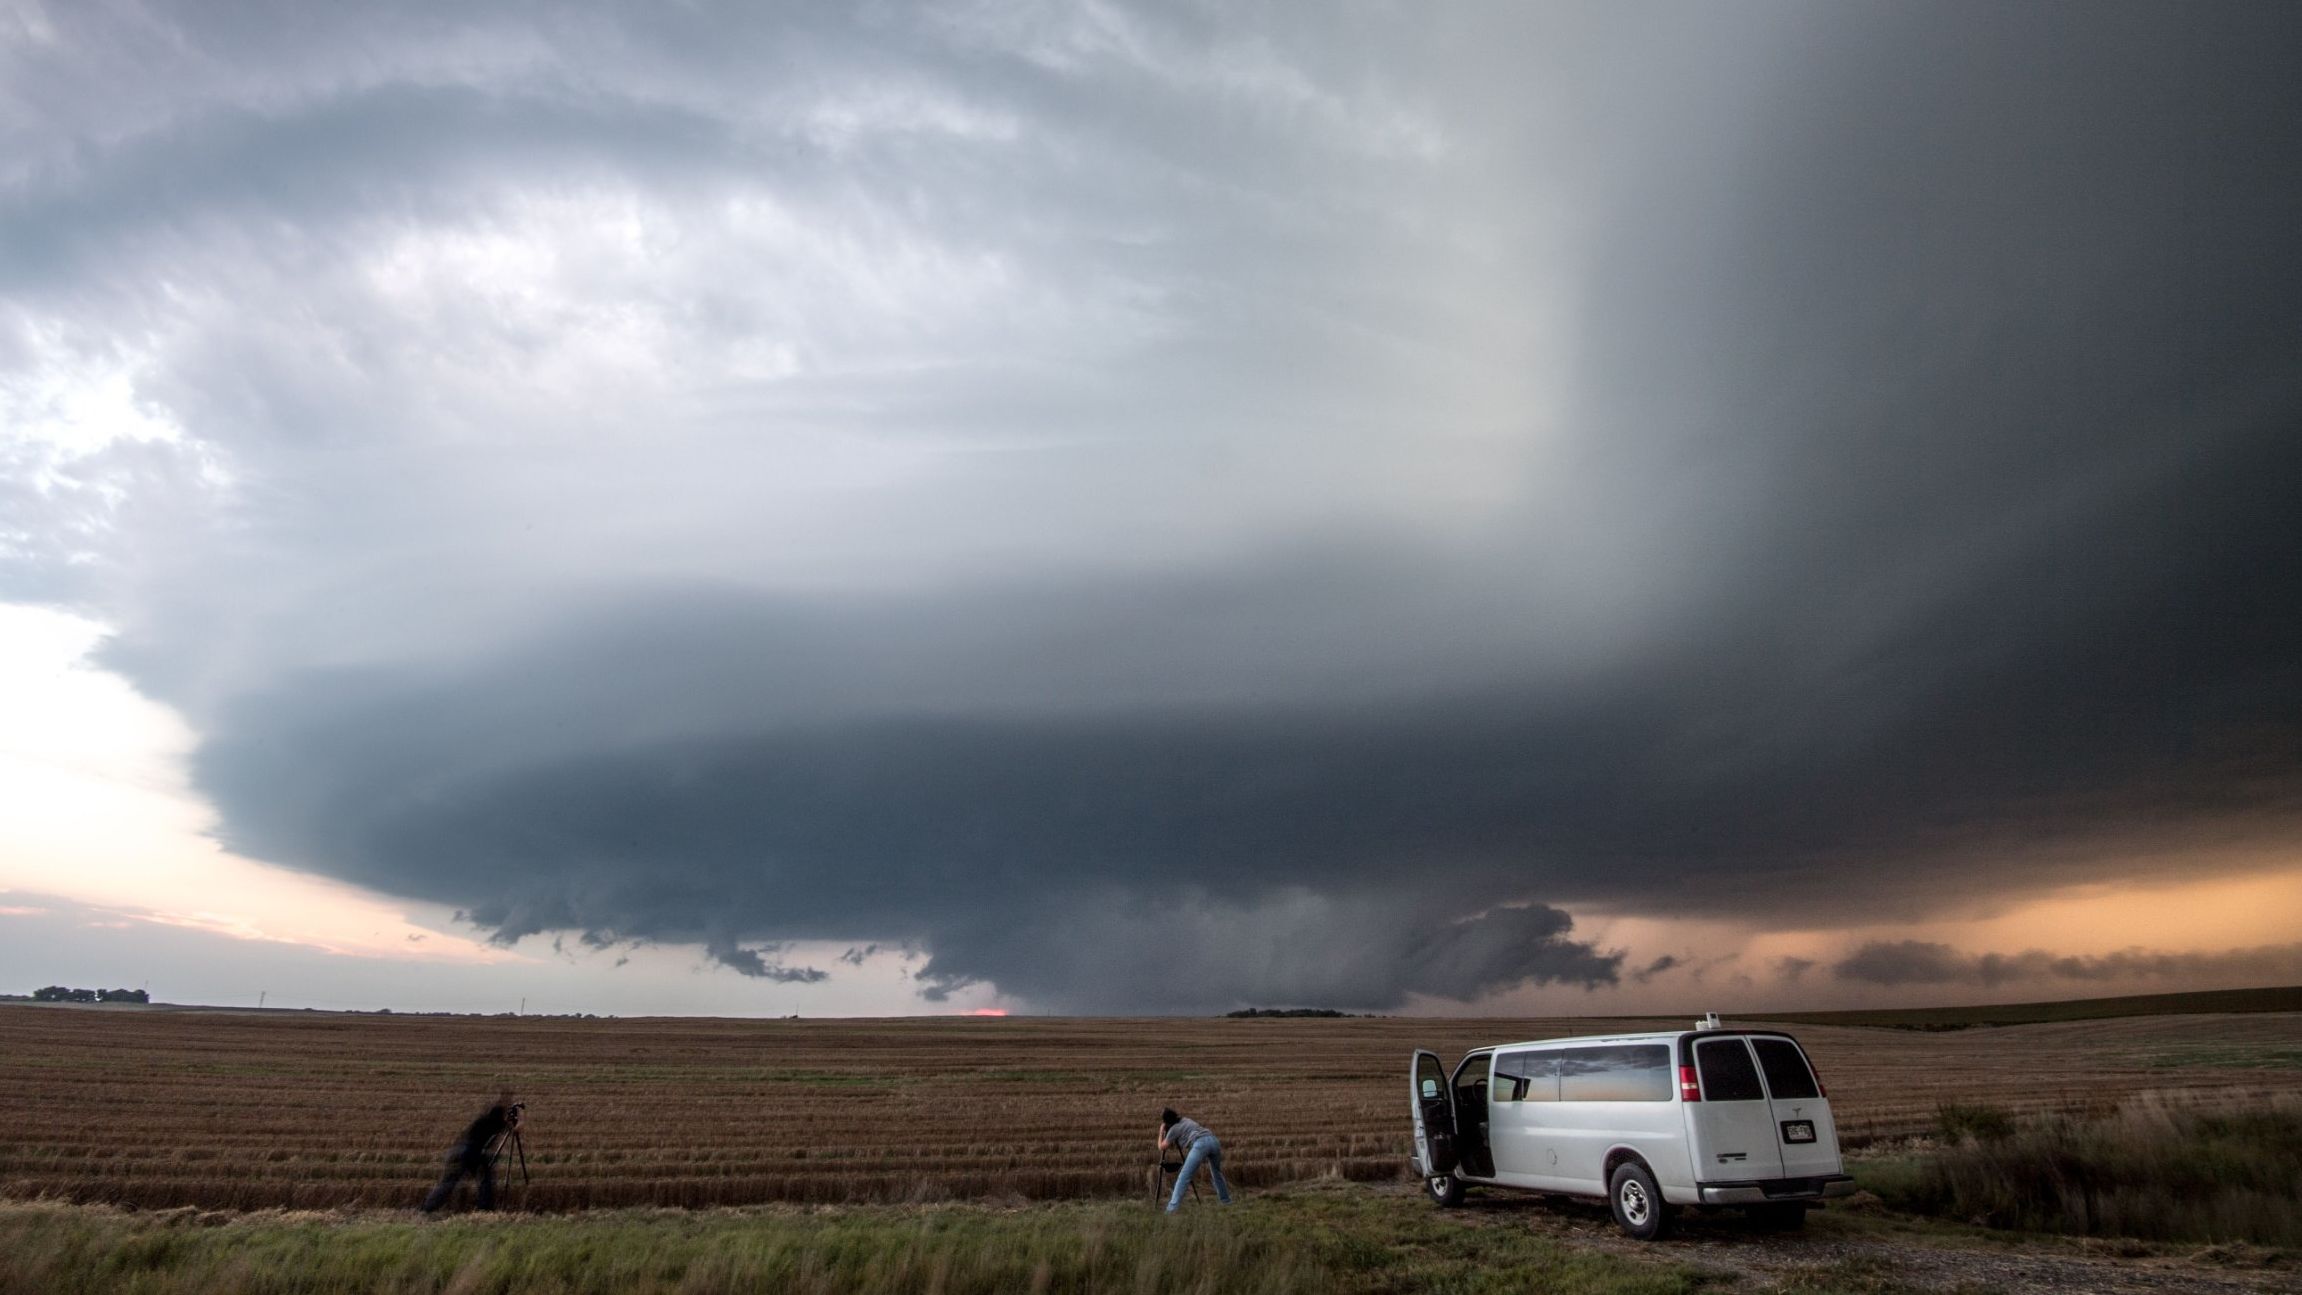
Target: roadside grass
2153	1169
1316	1241
1973	1122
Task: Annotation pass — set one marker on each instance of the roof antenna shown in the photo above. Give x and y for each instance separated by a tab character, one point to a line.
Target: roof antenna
1709	1021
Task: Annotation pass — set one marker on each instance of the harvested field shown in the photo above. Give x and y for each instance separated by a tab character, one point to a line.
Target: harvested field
2285	998
245	1110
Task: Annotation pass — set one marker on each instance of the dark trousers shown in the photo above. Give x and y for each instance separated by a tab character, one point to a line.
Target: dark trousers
465	1160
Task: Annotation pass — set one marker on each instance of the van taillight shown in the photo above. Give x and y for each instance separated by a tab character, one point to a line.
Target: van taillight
1689	1090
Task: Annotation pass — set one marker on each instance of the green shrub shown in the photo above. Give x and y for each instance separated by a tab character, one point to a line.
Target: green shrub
2153	1169
1973	1122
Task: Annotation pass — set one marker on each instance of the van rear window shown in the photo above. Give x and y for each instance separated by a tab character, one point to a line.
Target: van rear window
1787	1076
1623	1072
1728	1075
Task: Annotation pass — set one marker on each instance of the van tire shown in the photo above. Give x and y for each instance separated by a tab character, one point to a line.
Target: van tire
1782	1217
1445	1190
1637	1203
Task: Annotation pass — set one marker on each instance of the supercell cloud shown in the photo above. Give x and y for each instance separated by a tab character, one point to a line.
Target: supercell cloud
1164	509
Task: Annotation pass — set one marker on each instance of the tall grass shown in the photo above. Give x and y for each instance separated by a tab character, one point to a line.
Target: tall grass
1307	1242
2154	1168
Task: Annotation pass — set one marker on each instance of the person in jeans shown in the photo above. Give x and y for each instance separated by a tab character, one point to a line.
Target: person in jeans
1197	1144
472	1155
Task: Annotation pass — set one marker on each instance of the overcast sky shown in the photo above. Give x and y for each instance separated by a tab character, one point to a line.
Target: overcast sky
1080	507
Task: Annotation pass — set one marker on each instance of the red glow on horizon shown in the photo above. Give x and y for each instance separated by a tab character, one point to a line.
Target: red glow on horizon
985	1011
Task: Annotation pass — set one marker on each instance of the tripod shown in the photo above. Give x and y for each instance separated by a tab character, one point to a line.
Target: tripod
510	1140
1159	1174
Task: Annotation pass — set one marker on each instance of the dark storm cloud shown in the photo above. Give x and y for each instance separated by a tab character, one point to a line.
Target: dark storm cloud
759	965
1908	962
1155	513
1655	968
1183	951
1918	962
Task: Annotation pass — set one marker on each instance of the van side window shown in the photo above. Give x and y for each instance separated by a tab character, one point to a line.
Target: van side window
1527	1077
1471	1082
1727	1072
1787	1075
1430	1080
1625	1072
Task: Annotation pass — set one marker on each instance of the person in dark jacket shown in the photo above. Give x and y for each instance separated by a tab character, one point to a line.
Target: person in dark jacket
473	1155
1197	1145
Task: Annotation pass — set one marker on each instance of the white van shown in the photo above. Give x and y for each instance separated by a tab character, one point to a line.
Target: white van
1649	1121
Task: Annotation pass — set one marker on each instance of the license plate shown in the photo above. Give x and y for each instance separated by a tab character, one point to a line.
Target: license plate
1798	1130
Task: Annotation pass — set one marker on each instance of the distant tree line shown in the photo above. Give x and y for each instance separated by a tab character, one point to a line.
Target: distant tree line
1286	1012
59	994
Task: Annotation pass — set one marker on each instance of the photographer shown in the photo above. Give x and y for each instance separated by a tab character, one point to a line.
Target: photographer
1198	1147
473	1153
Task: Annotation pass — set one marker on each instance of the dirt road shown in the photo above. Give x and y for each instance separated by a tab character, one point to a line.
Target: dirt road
1858	1246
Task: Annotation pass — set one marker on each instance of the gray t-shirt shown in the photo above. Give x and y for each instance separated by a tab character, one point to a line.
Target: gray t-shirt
1184	1132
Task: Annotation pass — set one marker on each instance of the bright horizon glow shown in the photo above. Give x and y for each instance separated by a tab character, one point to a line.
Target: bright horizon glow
94	807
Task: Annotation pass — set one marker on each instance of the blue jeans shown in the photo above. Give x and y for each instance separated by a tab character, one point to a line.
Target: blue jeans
1211	1151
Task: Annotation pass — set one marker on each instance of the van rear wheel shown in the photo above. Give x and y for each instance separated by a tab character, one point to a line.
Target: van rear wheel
1446	1190
1636	1202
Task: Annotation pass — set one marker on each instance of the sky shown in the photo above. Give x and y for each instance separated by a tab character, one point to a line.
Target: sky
883	509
